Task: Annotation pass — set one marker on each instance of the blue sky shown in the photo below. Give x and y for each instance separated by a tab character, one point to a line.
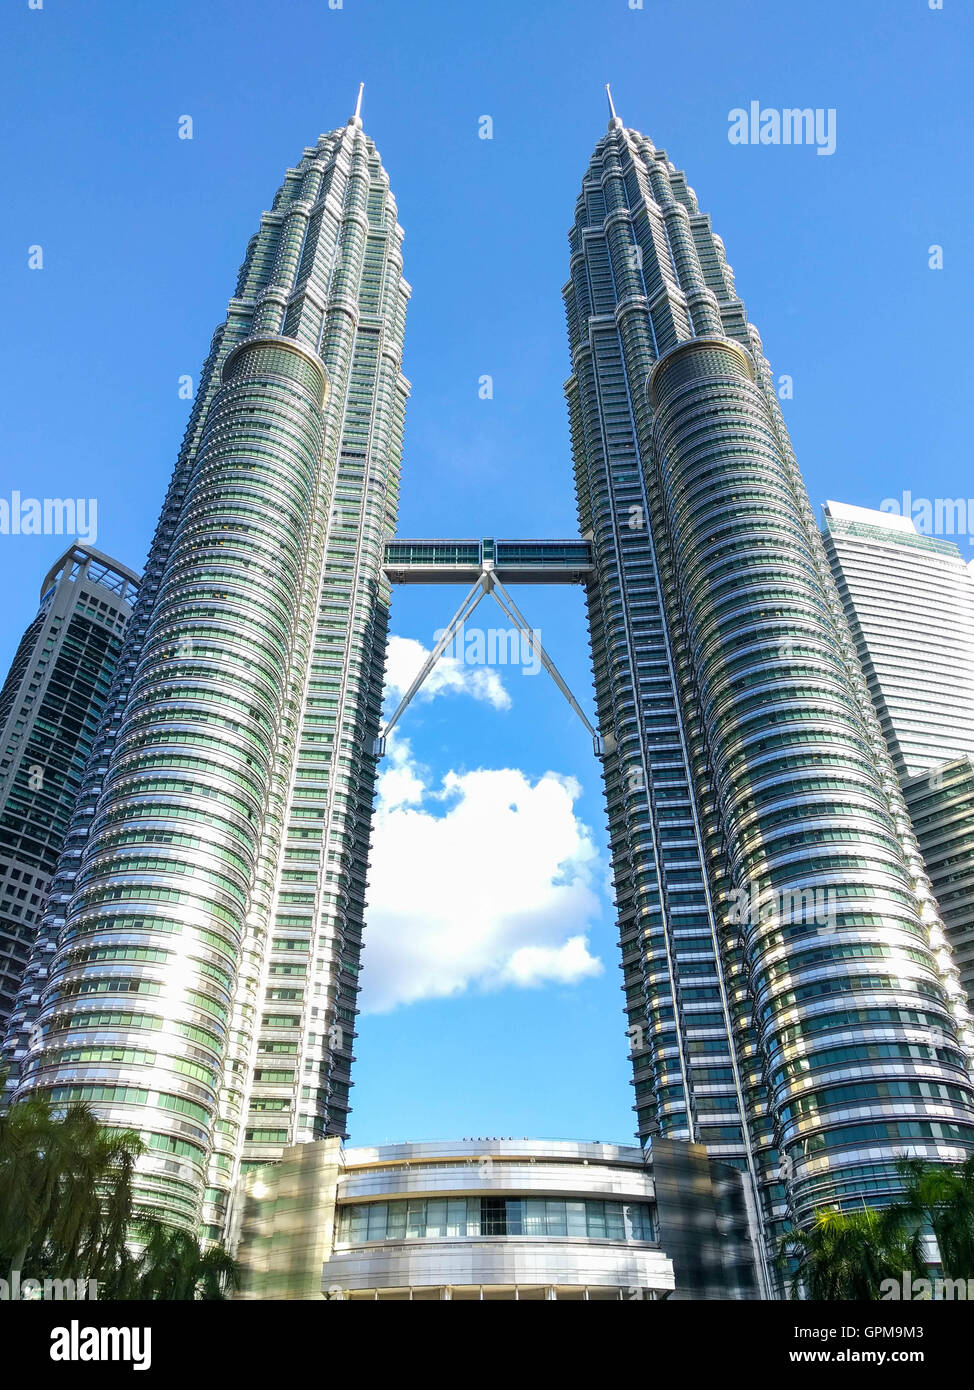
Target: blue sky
142	235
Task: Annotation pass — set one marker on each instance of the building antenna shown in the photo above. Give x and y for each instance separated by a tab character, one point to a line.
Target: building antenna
612	110
358	102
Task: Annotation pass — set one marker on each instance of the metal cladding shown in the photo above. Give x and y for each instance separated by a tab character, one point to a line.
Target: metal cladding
789	1003
495	1219
202	940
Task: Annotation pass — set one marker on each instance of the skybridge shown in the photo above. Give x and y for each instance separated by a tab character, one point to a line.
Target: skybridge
488	566
514	562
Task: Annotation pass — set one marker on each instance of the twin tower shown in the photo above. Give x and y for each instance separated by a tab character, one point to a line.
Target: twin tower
791	1000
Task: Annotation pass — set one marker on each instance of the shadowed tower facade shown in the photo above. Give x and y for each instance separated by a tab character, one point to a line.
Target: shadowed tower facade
197	969
789	998
50	706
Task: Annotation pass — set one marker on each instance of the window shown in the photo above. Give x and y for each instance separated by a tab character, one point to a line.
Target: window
440	1218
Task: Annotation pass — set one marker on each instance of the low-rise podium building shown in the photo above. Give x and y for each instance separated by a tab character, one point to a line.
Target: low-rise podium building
501	1219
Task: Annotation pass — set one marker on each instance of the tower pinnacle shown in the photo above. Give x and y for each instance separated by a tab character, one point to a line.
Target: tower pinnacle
614	119
356	118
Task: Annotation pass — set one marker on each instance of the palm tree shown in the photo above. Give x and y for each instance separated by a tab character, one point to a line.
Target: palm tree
66	1210
65	1190
942	1195
847	1255
88	1226
28	1178
172	1265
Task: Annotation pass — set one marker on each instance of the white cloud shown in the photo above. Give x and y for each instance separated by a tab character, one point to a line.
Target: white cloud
485	881
534	965
400	784
405	656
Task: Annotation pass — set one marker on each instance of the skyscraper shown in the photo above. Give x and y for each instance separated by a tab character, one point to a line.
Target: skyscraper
207	914
50	705
909	600
790	1000
941	806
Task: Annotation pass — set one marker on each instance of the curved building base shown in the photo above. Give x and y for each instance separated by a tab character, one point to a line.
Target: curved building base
505	1219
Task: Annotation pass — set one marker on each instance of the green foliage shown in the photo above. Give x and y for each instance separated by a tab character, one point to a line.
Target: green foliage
172	1266
847	1255
66	1211
65	1191
943	1197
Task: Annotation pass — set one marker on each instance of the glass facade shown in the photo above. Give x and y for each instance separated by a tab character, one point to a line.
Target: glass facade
909	600
773	907
197	968
941	806
497	1218
429	1218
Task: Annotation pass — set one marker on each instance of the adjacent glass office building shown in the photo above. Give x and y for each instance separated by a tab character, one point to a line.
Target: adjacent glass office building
909	599
201	948
50	706
790	1003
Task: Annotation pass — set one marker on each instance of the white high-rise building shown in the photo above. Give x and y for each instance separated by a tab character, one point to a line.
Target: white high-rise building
909	599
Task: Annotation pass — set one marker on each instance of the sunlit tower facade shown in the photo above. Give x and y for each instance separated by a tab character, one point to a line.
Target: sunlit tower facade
790	999
201	947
